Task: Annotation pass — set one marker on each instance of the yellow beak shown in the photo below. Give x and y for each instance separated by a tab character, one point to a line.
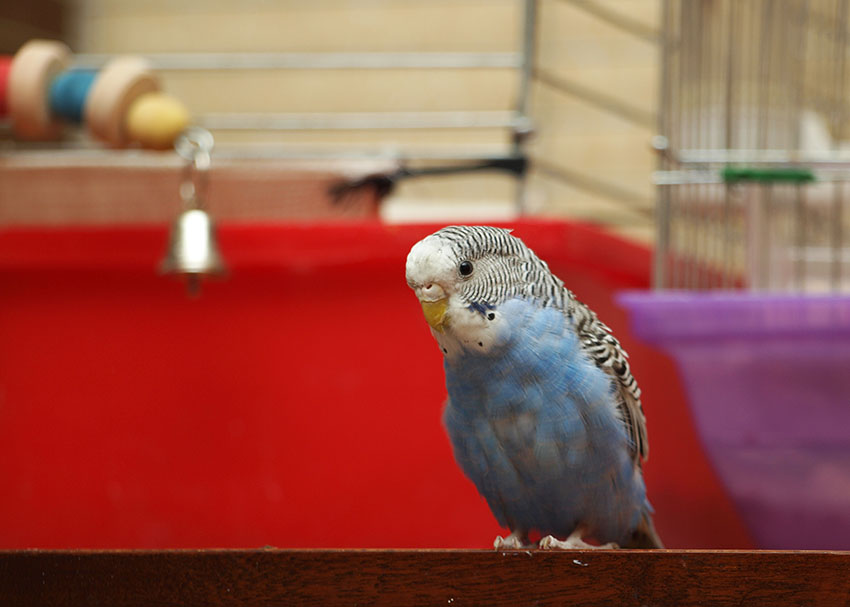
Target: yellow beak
435	312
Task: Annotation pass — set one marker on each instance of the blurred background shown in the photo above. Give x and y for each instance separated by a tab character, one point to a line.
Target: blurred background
679	164
430	83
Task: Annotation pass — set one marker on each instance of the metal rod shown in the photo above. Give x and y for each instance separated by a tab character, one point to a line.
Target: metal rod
798	55
527	56
730	117
694	115
696	176
685	177
51	156
838	112
315	61
703	124
800	236
761	238
764	71
819	255
702	157
759	217
359	121
714	132
836	234
677	215
661	256
523	128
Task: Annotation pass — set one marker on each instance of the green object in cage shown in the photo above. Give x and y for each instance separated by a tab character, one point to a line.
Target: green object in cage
763	175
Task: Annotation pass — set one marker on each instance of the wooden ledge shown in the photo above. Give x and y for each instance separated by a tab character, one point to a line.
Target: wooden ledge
422	577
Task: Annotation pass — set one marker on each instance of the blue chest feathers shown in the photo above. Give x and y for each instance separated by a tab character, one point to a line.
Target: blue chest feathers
533	423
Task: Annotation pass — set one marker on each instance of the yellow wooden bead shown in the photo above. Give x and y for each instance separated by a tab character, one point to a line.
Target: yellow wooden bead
154	120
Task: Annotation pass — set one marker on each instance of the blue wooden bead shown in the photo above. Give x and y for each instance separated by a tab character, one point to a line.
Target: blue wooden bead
68	92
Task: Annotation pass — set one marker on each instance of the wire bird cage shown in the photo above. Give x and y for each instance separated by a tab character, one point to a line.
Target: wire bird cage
754	146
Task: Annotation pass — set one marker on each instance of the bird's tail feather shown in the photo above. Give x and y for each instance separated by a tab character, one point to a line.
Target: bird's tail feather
645	535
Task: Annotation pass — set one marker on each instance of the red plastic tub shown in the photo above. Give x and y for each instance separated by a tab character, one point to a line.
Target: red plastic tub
295	404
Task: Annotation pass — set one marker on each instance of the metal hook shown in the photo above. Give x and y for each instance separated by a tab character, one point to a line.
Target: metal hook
195	145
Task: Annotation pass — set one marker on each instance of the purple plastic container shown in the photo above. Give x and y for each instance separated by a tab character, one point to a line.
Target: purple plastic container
768	382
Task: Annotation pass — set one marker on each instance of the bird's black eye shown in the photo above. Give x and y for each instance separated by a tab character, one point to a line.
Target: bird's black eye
465	268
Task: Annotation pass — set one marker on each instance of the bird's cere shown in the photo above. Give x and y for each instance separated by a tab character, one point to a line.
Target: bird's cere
431	292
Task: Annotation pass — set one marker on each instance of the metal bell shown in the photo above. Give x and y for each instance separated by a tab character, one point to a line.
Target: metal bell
193	248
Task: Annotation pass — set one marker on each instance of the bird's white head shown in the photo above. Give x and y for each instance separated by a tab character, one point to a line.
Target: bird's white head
433	274
461	274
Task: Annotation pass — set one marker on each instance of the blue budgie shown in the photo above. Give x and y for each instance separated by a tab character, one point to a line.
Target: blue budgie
544	415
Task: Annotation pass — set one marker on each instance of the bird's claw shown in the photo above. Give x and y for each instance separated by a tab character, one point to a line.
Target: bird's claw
511	542
574	542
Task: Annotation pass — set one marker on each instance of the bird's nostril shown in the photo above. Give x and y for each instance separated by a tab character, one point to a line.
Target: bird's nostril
431	291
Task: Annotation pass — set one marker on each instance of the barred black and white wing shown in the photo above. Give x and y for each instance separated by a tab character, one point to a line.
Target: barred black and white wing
604	349
513	270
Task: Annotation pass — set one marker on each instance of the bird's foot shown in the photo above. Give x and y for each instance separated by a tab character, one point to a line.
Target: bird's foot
515	541
574	542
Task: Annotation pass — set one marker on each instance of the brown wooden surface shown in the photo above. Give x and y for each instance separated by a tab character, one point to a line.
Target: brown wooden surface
430	577
141	189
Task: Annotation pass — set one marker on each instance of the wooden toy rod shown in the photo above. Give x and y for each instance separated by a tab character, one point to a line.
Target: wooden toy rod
317	61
